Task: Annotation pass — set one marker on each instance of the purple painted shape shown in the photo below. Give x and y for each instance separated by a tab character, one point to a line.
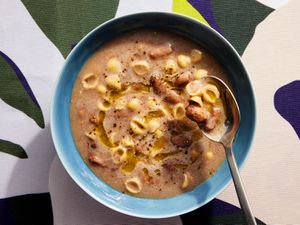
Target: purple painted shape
21	78
218	207
206	213
205	9
287	104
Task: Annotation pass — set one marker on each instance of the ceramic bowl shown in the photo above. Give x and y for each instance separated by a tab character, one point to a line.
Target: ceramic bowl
60	109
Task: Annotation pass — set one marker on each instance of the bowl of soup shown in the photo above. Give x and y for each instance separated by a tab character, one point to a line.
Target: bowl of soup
124	111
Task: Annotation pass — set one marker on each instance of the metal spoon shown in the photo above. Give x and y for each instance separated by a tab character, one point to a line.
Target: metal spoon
231	126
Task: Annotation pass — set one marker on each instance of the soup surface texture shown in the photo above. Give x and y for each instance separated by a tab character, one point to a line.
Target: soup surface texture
133	109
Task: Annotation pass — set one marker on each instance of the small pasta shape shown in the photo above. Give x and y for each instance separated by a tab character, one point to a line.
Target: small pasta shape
113	81
134	104
127	142
101	88
187	178
164	111
93	134
178	111
114	65
157	172
183	61
197	99
152	103
194	88
138	125
89	80
196	55
133	185
158	133
141	67
185	182
113	137
120	104
210	93
209	155
195	154
118	154
104	105
153	125
200	73
170	67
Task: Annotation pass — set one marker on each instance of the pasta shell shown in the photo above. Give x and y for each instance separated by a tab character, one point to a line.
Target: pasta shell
170	67
133	185
197	99
194	88
183	61
178	111
114	65
210	93
196	55
200	73
89	80
113	81
138	125
104	105
141	67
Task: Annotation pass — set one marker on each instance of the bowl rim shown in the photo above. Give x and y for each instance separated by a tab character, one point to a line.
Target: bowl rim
70	171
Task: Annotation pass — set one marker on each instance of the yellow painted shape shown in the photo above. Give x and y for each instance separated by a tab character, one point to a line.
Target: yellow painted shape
184	7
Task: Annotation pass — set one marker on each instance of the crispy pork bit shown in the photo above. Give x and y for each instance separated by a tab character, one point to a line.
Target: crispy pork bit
181	141
183	79
216	112
179	126
204	118
213	119
96	160
161	50
173	97
211	123
169	167
160	87
197	114
94	119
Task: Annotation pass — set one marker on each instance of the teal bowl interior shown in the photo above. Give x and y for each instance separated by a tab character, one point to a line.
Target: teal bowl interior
61	129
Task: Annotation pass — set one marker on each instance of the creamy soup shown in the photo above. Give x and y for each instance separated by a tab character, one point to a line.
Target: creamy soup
133	109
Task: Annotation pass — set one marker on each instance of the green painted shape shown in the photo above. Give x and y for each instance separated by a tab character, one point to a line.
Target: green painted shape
13	93
238	20
12	149
65	22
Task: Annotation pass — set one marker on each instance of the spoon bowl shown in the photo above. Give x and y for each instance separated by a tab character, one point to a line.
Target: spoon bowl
232	111
226	138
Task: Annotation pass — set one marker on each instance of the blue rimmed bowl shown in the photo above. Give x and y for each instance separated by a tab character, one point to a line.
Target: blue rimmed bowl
61	128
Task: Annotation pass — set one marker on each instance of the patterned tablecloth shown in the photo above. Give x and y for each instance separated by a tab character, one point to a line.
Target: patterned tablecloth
36	37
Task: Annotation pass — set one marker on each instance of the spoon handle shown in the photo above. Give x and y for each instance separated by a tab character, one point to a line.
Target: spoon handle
239	187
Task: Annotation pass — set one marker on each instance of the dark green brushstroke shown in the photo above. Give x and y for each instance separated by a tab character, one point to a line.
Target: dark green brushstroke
12	149
65	22
13	93
238	20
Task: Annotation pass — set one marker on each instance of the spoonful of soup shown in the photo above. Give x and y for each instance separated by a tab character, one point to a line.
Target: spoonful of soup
221	127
